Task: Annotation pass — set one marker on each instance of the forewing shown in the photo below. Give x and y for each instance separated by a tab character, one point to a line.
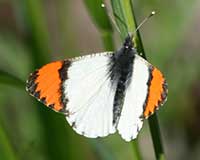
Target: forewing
45	85
146	92
90	96
81	89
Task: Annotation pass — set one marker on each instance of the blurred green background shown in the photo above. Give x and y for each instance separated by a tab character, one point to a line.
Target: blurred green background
35	32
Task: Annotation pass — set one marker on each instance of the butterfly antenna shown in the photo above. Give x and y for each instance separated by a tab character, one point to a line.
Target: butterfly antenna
113	19
144	21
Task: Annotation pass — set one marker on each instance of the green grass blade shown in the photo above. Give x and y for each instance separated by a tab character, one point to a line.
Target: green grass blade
6	150
120	20
54	125
107	40
101	151
34	19
62	7
123	10
8	79
156	137
98	15
136	150
101	19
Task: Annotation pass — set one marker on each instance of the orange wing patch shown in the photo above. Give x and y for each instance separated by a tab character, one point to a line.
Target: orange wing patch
45	85
157	93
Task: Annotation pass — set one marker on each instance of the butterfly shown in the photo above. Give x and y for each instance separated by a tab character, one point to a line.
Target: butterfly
101	93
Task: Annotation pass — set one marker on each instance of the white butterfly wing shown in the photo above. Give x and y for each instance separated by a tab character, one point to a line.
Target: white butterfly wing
130	121
90	96
146	92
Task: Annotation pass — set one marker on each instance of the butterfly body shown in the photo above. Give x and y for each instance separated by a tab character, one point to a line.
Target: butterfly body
120	74
101	93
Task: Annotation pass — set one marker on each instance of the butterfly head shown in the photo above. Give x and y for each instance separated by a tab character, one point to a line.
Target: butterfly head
128	43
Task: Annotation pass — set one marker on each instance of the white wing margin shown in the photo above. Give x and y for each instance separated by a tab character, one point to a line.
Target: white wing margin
90	96
130	121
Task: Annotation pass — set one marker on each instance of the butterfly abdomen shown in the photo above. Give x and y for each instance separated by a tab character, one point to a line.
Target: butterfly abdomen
118	99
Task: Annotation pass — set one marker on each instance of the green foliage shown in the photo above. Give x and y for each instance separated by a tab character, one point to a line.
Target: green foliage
7	151
55	134
8	79
100	18
99	15
35	23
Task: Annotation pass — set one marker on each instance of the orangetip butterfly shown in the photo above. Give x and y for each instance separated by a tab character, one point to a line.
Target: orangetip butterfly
101	93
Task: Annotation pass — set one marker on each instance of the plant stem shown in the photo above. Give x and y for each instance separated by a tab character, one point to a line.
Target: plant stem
153	120
156	137
124	11
136	150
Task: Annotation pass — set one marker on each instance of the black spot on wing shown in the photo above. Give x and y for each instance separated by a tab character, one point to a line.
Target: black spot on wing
43	100
73	125
51	106
36	94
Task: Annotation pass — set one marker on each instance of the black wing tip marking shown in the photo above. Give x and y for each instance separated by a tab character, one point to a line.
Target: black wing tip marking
31	87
